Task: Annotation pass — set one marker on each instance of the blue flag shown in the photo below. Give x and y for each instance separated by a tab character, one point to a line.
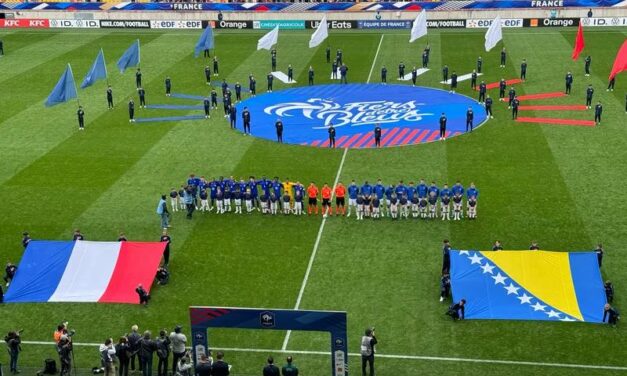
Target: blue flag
130	57
205	42
64	90
98	71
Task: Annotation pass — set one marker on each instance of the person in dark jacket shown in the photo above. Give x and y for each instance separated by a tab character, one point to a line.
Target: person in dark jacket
144	297
123	351
133	344
147	348
270	369
457	310
220	367
609	291
163	353
64	348
203	368
13	346
599	252
611	315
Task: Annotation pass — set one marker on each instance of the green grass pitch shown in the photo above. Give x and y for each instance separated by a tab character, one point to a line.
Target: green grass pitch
560	185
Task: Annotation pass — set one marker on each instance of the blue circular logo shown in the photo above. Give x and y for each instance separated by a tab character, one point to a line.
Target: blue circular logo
407	115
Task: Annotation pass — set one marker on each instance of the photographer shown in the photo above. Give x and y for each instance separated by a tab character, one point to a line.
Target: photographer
13	346
107	356
64	348
163	353
368	341
184	366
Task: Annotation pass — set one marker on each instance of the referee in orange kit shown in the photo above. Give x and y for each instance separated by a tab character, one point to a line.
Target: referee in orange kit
340	193
326	200
312	194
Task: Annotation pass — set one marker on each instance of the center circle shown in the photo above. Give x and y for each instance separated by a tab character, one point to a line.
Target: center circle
406	114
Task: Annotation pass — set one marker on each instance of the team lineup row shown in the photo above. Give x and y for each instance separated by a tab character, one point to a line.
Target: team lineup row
275	196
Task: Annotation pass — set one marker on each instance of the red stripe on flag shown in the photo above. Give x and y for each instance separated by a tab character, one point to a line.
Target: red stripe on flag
411	135
447	134
433	136
325	143
315	143
556	121
555	94
339	141
456	134
421	137
351	140
553	108
363	139
398	137
620	63
388	136
137	263
494	85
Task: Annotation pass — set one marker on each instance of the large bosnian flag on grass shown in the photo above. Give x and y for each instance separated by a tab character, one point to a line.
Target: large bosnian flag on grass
84	271
528	285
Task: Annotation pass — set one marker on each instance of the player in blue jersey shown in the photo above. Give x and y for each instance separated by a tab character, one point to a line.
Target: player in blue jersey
400	190
433	189
445	191
472	191
366	189
458	188
379	191
277	189
422	189
248	200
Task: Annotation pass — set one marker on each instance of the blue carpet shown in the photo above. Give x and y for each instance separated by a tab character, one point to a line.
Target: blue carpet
187	96
175	107
169	118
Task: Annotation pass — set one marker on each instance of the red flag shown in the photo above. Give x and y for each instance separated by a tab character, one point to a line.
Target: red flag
579	43
620	64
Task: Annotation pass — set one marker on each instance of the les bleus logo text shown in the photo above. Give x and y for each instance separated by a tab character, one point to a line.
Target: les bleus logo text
353	114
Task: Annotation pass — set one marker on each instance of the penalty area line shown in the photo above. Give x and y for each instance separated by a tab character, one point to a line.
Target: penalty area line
315	250
393	356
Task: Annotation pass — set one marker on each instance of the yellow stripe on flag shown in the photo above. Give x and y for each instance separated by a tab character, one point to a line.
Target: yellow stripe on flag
544	274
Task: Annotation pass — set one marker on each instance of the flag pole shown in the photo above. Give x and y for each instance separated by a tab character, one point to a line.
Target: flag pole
139	55
74	82
104	62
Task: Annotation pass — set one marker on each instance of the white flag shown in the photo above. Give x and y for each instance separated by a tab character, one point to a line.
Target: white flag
267	41
419	27
494	34
321	33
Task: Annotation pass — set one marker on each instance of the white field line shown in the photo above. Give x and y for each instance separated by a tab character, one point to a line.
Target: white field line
315	250
376	55
393	356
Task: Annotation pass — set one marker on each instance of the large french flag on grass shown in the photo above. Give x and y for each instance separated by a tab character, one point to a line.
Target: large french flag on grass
84	271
